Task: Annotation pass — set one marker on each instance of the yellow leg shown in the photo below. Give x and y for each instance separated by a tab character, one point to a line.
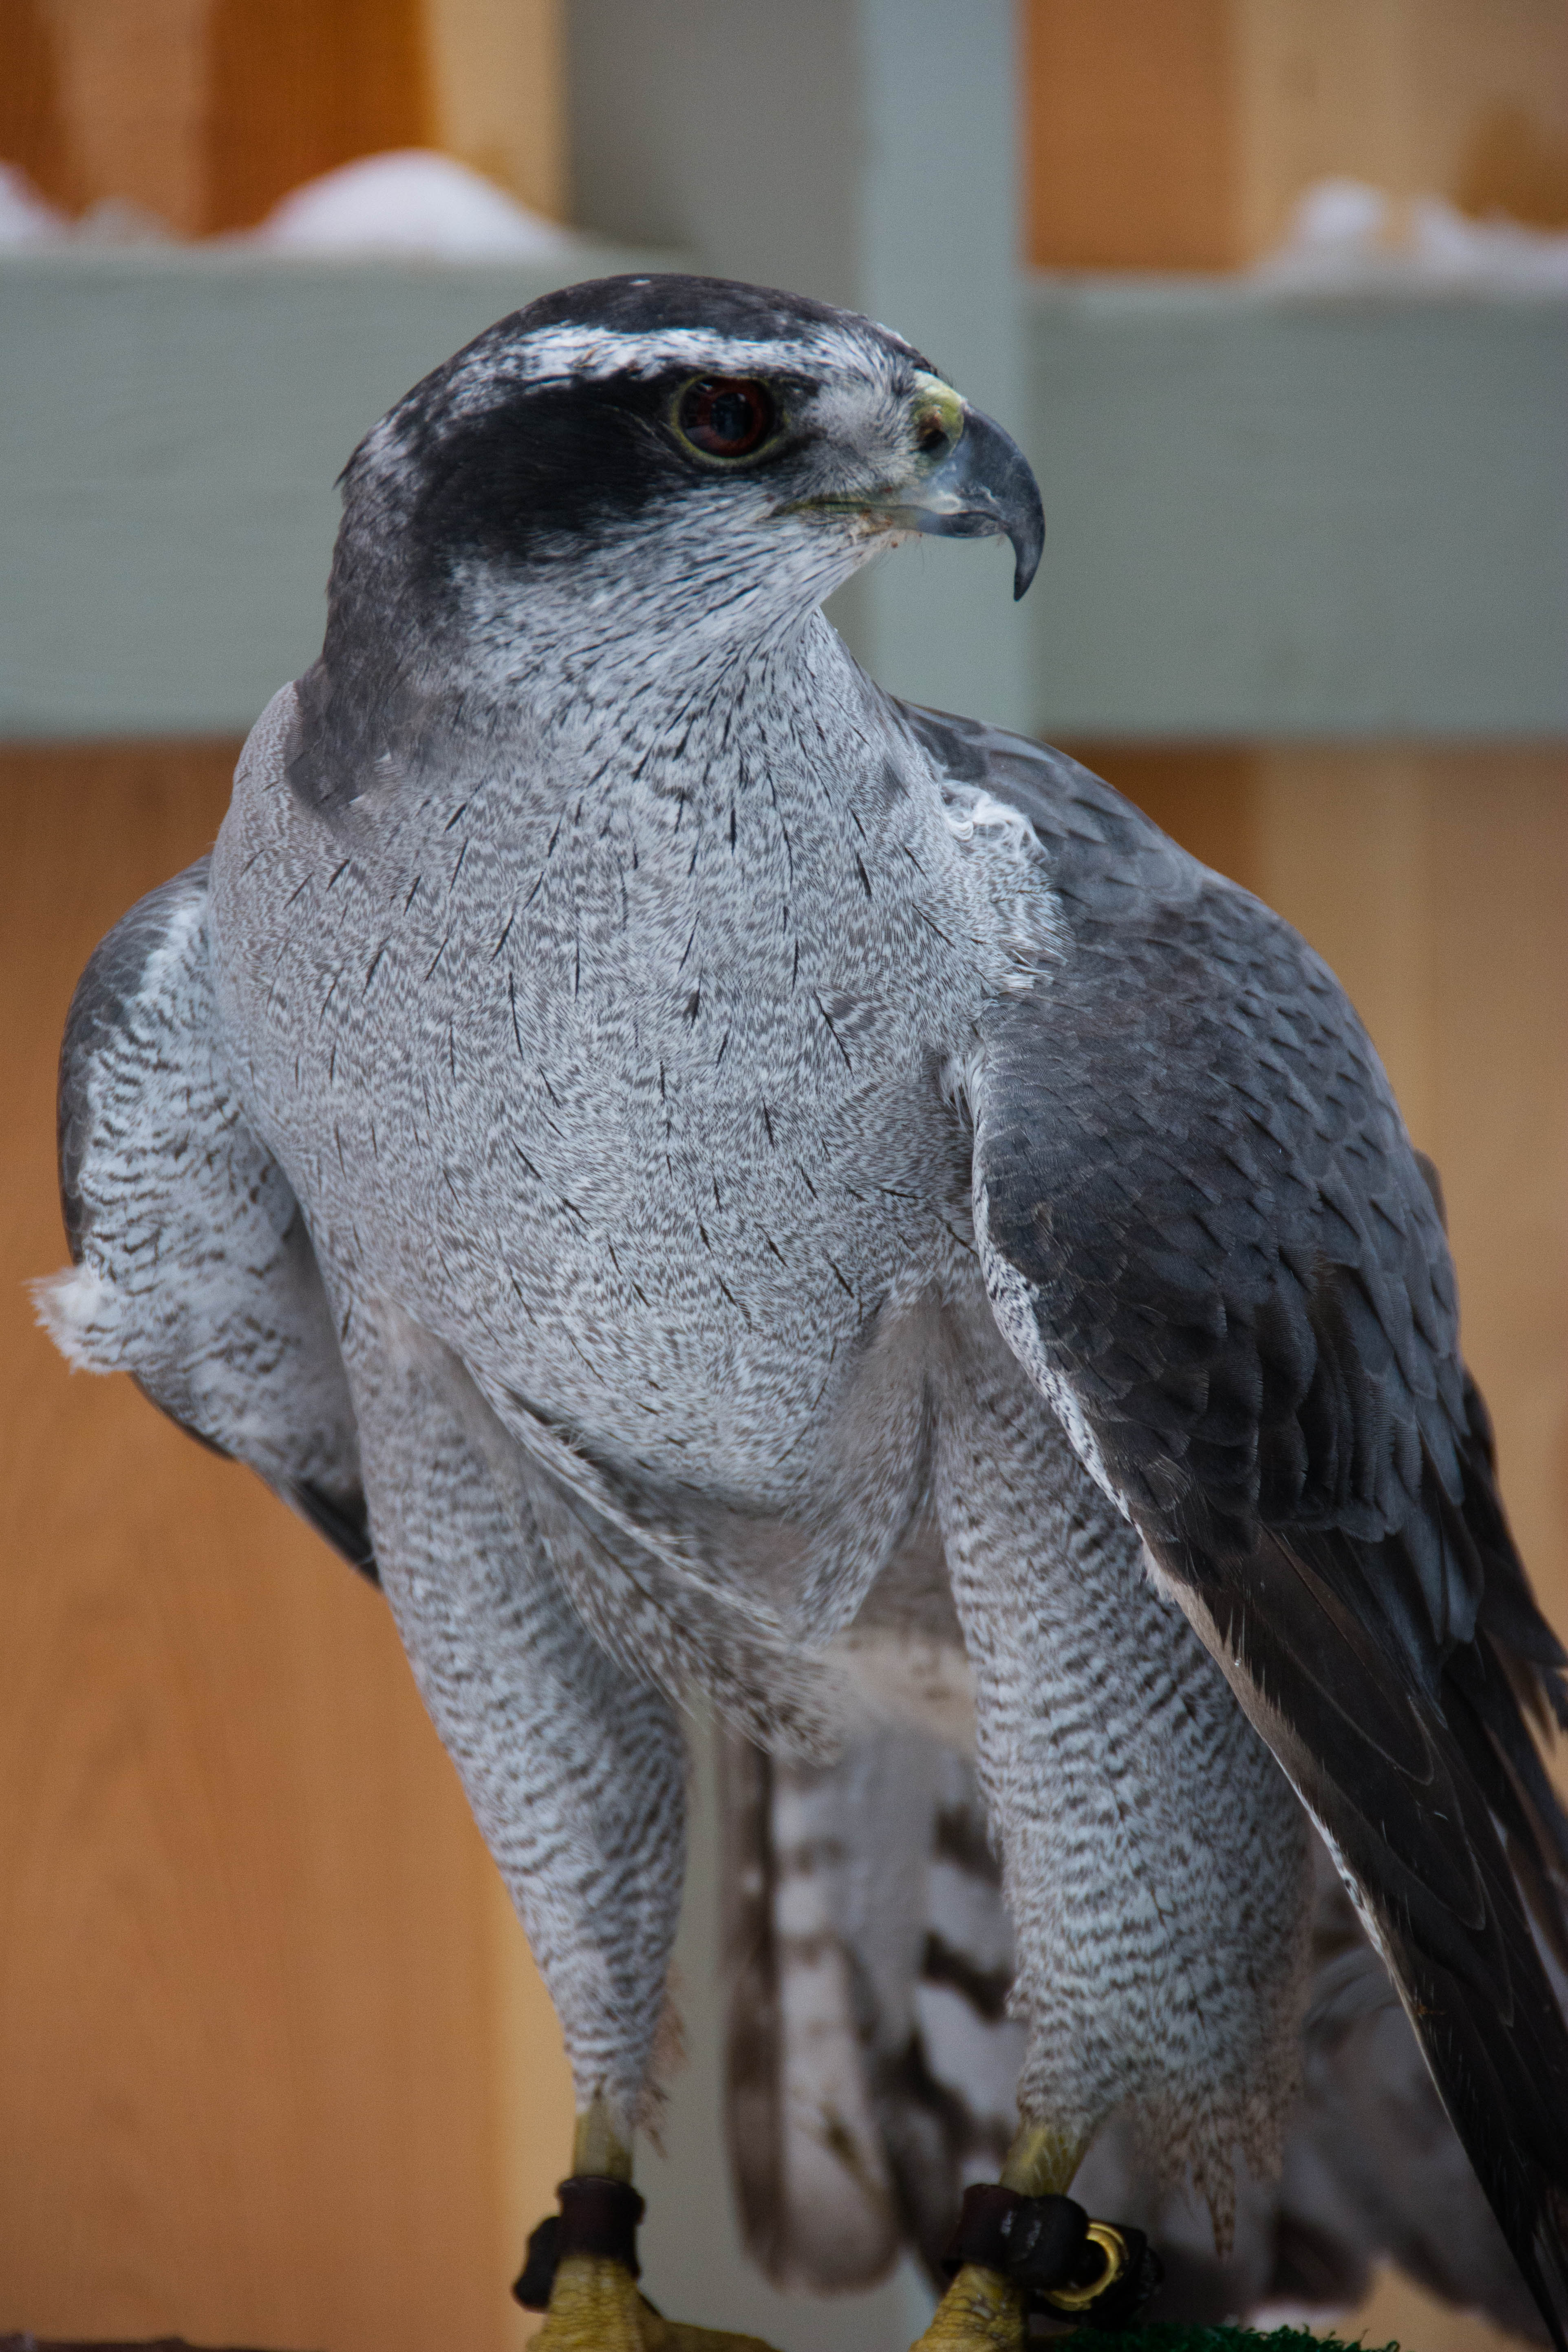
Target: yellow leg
594	2306
595	2303
1041	2163
596	2147
981	2310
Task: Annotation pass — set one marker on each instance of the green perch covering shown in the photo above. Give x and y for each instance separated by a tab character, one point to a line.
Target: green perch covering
1170	2336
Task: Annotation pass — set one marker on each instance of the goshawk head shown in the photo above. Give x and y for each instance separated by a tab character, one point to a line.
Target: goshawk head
641	471
723	424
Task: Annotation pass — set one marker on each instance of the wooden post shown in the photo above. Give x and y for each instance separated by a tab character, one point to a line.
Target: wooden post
113	106
496	91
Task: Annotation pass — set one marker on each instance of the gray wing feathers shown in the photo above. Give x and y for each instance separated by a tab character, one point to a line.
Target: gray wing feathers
1188	1147
191	1267
1208	1239
1373	2159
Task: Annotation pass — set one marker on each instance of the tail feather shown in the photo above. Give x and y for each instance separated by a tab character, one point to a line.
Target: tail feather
889	1849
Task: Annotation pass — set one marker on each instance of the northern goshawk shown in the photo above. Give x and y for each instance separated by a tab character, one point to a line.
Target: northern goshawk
729	1183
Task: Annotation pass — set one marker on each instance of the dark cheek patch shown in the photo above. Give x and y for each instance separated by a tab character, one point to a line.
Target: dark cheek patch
552	468
553	471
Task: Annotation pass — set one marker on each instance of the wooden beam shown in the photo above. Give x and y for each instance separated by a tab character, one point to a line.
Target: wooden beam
202	113
496	83
1465	99
115	103
32	116
1273	515
296	88
1130	148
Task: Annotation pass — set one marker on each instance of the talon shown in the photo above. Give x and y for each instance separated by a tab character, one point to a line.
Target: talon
594	2306
980	2312
582	2272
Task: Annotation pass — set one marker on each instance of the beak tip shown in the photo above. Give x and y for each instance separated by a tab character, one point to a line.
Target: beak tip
987	489
1014	497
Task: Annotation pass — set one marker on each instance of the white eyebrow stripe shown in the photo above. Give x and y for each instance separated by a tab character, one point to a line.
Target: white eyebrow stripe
597	351
576	354
507	361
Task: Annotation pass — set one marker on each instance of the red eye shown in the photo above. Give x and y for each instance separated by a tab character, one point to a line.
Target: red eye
726	415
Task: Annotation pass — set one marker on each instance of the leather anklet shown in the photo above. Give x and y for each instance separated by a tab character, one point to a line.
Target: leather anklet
598	2217
1099	2272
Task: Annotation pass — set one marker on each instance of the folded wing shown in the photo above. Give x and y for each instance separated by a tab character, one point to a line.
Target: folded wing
191	1267
1206	1236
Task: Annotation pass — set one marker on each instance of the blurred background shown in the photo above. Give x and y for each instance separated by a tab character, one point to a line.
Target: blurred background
1274	293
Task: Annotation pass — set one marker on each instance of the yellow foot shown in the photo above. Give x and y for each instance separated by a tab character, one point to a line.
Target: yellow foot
980	2312
594	2306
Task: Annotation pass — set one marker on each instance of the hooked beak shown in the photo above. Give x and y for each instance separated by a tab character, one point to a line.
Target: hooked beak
982	487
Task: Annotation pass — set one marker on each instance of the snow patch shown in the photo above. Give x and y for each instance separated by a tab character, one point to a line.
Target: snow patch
25	217
411	200
1347	234
29	221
